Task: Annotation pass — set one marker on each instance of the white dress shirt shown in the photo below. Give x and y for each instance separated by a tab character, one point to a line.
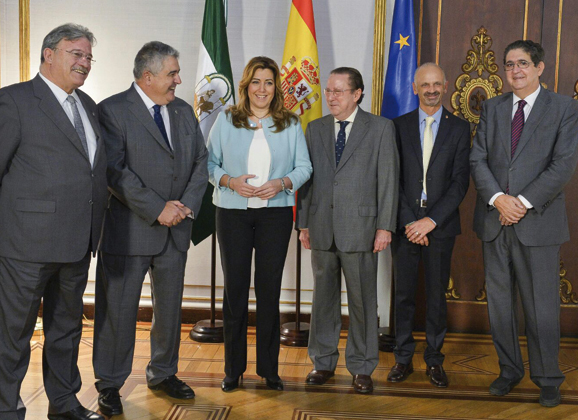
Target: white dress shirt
62	98
530	101
149	103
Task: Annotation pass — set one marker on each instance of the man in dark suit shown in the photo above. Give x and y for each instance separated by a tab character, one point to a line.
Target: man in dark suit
52	201
523	155
157	175
434	149
346	213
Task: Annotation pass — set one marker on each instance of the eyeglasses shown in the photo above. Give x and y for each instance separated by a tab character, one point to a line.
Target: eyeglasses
522	64
79	55
336	93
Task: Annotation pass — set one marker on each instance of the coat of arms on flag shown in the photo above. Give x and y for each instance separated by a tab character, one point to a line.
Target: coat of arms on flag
212	92
299	79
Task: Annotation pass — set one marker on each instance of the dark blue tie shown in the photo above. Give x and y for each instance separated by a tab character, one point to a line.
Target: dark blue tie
340	143
160	124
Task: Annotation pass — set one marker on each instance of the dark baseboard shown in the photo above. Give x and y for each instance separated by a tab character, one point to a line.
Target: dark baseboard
194	315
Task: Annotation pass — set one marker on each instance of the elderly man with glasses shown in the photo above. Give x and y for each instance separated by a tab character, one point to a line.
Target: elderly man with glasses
346	213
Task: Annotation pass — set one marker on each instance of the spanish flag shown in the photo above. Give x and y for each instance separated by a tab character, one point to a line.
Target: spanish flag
300	66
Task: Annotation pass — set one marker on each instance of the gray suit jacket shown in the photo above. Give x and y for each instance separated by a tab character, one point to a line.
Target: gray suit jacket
51	200
143	173
543	163
348	203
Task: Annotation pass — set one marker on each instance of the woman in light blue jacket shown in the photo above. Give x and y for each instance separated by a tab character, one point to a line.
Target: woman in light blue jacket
258	158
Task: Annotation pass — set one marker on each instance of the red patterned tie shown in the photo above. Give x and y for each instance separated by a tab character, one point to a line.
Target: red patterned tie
517	125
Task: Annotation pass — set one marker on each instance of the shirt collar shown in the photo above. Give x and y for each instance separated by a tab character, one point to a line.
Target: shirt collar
351	118
61	95
530	99
437	116
149	103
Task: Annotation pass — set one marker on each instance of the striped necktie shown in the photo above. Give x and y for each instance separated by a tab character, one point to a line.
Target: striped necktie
517	125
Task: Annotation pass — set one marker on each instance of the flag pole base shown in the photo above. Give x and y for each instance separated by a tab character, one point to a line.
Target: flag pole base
386	339
293	337
207	332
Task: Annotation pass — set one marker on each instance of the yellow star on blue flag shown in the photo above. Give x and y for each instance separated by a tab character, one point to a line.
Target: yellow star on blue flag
402	41
398	96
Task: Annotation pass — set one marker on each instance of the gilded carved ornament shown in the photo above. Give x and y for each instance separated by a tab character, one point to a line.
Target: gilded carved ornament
472	91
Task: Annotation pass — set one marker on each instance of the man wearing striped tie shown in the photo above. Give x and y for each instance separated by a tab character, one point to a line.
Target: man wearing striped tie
434	147
523	155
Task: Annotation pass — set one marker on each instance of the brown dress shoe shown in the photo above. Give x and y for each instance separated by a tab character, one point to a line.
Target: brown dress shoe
399	372
437	376
319	377
362	384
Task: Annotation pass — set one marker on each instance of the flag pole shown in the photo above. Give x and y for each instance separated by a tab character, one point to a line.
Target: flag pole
210	330
296	334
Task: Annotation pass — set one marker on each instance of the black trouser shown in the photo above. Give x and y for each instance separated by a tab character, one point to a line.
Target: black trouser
268	231
437	263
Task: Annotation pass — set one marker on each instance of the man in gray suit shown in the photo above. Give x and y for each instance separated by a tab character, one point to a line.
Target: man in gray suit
52	201
346	213
523	155
157	175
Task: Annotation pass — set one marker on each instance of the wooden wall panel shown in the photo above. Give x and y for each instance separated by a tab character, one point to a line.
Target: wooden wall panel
554	23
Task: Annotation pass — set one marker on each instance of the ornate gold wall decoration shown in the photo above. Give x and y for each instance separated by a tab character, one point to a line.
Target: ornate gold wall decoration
576	90
24	16
378	56
567	296
482	296
472	91
452	292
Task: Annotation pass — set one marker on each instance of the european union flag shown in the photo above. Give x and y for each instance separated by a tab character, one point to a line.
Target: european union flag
398	96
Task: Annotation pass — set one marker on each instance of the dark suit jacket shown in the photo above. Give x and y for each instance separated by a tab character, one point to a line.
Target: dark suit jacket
348	203
544	162
52	201
448	174
143	173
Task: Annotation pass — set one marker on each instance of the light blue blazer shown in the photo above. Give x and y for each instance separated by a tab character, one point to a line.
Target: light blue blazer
229	152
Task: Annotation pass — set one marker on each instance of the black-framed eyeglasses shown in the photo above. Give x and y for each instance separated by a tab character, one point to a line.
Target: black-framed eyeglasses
522	64
337	93
79	55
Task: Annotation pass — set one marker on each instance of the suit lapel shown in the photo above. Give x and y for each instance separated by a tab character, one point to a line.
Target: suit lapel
441	136
139	109
414	136
504	117
328	138
536	114
174	119
94	123
358	131
50	106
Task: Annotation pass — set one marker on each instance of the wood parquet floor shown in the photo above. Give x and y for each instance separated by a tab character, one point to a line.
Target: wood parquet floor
471	364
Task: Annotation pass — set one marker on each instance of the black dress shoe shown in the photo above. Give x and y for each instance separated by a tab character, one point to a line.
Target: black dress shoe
230	384
78	413
274	384
399	372
362	384
437	376
175	388
109	402
550	396
319	377
503	386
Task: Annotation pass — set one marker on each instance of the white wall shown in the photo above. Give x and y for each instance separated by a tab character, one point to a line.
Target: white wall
255	27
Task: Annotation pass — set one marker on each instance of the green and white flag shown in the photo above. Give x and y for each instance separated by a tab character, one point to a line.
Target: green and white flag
213	94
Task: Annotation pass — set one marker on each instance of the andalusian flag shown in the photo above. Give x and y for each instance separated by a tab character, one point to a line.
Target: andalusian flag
213	93
300	66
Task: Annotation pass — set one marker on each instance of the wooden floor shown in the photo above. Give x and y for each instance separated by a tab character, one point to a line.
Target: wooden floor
471	365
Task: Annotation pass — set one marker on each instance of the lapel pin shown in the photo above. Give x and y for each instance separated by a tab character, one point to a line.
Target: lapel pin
176	111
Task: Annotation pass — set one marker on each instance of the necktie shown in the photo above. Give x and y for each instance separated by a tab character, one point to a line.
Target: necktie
427	148
340	143
160	124
517	125
78	126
